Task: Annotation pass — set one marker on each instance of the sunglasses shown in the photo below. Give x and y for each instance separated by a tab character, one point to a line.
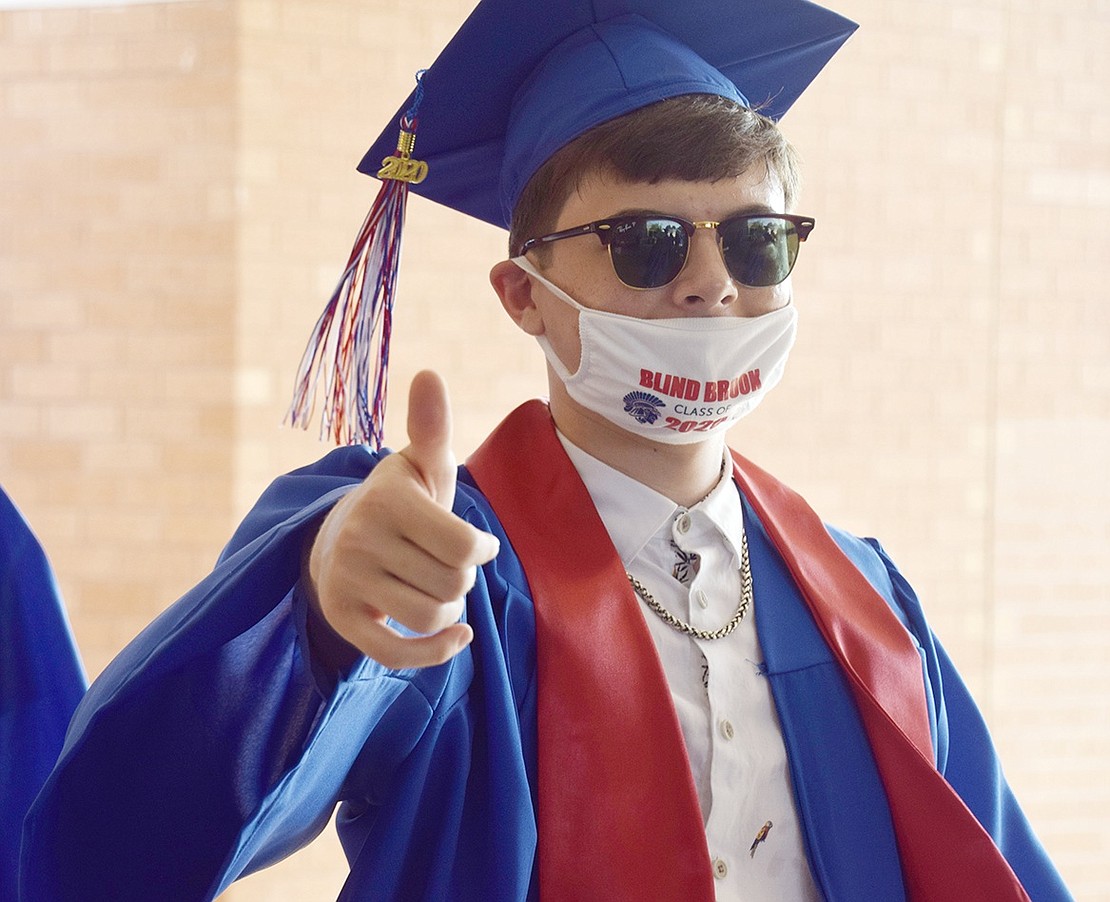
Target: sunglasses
649	251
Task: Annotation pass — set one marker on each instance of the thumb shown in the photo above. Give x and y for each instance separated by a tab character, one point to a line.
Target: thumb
429	427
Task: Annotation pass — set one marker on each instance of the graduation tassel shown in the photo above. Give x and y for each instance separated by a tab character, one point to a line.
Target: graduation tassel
357	322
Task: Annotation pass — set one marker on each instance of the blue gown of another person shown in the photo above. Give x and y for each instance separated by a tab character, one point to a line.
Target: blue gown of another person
41	680
218	742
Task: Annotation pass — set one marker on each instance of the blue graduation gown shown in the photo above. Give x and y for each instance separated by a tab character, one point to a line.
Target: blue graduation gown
212	747
41	680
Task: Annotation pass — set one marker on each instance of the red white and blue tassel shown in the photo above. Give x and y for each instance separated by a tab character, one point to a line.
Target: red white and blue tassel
357	323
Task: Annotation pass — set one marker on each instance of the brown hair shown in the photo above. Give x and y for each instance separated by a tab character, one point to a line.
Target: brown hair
694	137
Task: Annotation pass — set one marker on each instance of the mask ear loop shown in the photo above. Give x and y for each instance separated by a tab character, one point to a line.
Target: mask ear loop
530	268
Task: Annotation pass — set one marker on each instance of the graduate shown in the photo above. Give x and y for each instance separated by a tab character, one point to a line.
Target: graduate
607	658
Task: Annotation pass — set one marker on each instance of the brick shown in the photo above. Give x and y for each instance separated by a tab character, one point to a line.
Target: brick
81	421
47	382
48	312
19	420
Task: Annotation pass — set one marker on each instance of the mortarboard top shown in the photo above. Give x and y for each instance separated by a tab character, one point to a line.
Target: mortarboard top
521	78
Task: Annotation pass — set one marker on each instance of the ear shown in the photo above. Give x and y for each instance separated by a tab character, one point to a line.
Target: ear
514	288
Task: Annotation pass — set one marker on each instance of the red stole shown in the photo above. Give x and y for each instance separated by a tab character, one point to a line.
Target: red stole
618	812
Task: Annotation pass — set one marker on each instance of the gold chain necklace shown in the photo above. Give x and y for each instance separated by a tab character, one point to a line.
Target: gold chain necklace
681	625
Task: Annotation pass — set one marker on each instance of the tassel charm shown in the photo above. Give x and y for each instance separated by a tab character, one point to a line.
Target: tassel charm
357	323
401	166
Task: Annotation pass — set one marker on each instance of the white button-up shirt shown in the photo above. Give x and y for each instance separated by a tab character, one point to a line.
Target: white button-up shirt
689	560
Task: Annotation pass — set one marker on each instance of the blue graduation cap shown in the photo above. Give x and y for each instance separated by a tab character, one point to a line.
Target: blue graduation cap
519	80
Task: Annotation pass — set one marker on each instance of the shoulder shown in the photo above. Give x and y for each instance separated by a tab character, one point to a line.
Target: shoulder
306	491
872	560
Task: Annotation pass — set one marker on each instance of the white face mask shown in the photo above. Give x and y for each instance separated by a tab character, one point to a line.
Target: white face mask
674	381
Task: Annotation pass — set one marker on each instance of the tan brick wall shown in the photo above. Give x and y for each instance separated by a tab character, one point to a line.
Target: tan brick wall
117	299
179	194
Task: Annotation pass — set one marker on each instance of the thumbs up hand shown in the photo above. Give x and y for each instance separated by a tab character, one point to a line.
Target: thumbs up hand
392	548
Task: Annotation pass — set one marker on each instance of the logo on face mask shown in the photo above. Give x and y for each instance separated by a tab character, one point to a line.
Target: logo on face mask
642	407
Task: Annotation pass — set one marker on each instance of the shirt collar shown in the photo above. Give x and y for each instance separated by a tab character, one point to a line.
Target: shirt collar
633	513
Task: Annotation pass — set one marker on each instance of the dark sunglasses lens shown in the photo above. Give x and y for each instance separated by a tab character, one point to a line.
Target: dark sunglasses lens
647	253
759	250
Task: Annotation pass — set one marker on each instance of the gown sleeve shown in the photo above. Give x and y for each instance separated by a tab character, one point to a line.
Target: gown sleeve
965	752
208	747
974	771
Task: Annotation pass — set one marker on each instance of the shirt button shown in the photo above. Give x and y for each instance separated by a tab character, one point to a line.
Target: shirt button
726	729
703	601
720	869
683	524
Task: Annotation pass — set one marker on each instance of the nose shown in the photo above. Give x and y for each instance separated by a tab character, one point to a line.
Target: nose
704	287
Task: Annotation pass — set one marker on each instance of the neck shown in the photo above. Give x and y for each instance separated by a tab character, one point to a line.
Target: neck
683	473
